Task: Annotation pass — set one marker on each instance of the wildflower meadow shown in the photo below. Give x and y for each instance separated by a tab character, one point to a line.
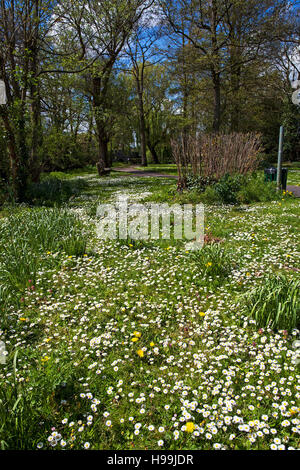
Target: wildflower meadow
149	229
142	344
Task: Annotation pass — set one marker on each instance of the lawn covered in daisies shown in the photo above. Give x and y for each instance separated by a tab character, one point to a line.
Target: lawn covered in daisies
116	345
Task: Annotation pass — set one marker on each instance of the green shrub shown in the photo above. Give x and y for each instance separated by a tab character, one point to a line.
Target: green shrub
227	188
6	192
210	196
53	190
275	304
240	189
62	152
256	189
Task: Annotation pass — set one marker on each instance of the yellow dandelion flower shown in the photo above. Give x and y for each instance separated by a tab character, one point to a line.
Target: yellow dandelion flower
202	314
189	427
140	352
134	339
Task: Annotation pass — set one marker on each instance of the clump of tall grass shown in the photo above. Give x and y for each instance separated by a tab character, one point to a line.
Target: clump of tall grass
275	304
18	417
53	190
213	262
27	237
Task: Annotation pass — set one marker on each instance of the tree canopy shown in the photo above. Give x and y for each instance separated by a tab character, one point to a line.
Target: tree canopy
86	80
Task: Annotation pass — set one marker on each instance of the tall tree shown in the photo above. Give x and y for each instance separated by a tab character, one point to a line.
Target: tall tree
24	26
141	51
101	29
226	35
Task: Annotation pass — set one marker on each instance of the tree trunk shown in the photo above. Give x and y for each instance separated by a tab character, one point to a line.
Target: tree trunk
217	101
37	135
90	132
103	160
142	129
153	154
235	82
236	105
23	175
215	66
14	161
102	155
98	93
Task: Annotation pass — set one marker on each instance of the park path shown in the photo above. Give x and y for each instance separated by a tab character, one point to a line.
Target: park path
133	171
294	189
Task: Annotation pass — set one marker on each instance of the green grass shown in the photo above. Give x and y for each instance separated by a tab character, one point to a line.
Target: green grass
294	177
28	237
74	335
275	303
214	263
164	168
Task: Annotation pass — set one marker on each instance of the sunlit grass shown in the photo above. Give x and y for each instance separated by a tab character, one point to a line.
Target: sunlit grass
121	344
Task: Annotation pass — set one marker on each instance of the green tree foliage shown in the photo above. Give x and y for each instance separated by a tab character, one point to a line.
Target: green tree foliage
86	79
